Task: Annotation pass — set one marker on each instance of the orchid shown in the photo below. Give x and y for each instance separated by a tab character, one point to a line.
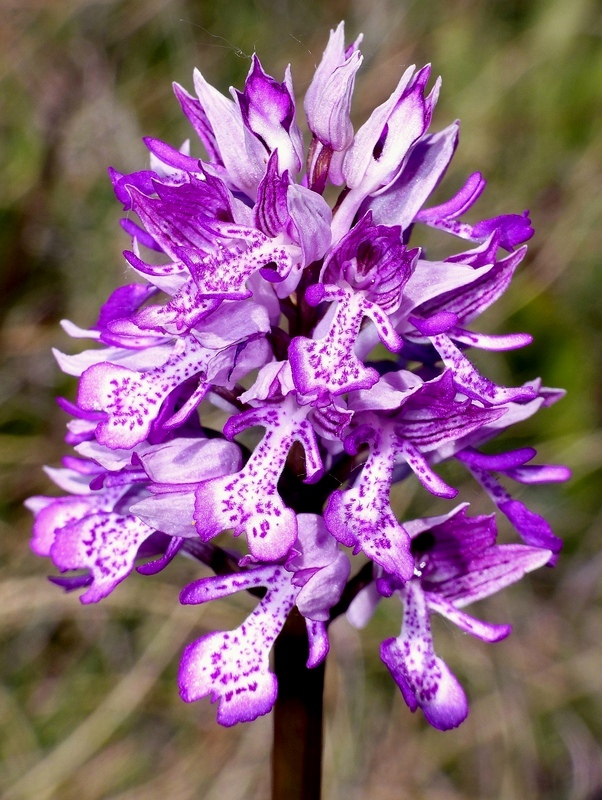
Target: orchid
327	328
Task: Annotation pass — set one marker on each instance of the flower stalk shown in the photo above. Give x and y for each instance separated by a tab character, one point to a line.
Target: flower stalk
297	744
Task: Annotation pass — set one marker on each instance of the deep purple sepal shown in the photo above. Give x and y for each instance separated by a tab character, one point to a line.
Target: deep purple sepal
72	583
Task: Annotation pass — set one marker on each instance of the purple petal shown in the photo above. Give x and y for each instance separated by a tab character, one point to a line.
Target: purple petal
373	529
142	181
471	382
58	512
268	111
390	393
372	259
458	204
433	279
218	586
312	217
509	341
476	627
133	400
77	364
180	216
328	112
104	543
225	274
123	302
427	162
540	473
499	461
140	235
488	572
315	546
514	229
363	606
318	642
170	512
73	583
199	121
533	528
424	679
438	323
243	503
468	302
324	589
328	97
166	154
362	518
233	667
382	142
186	460
153	567
426	165
249	501
419	466
328	366
271	211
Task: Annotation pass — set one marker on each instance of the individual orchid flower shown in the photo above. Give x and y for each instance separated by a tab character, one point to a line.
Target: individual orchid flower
234	667
327	108
456	563
90	529
268	112
382	144
422	417
132	400
249	501
94	528
364	276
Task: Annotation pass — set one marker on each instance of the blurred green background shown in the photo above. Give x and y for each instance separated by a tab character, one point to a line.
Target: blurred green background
88	701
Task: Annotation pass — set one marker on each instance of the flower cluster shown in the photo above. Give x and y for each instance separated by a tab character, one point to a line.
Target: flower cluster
256	304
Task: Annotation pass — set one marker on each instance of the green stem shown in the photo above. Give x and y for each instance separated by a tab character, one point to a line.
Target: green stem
297	748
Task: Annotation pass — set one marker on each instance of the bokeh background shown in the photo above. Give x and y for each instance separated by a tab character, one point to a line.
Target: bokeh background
88	701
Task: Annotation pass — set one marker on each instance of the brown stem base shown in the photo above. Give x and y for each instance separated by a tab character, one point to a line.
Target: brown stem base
297	748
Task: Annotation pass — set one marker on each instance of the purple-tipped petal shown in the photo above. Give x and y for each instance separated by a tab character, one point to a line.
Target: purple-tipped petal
153	567
361	517
318	642
498	461
424	679
249	501
328	97
106	544
382	142
486	631
199	121
462	201
470	381
233	667
533	528
540	473
268	112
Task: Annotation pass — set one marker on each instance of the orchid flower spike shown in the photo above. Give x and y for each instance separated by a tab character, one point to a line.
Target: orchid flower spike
337	357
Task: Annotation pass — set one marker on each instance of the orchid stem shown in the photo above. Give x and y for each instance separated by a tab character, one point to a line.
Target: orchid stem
297	748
